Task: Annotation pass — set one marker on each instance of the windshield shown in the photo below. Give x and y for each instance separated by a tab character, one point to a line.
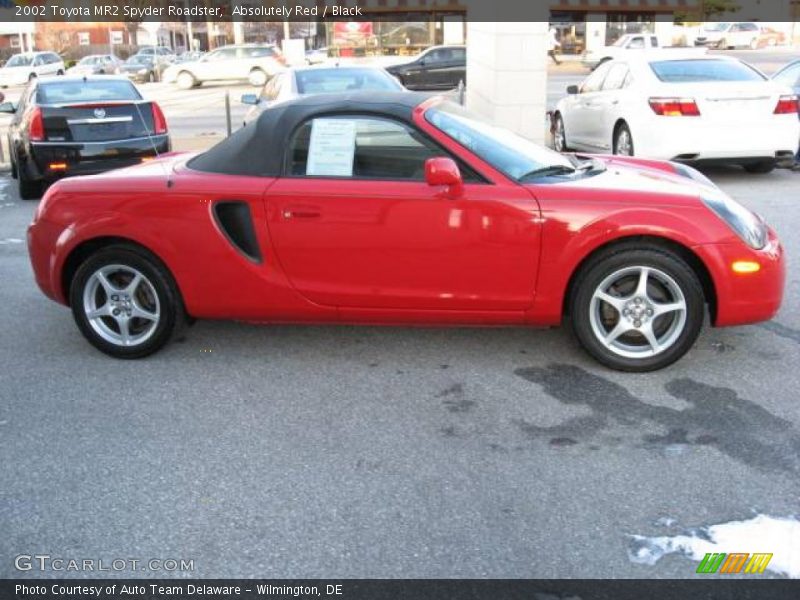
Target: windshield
716	27
504	150
19	60
139	60
90	60
687	71
319	81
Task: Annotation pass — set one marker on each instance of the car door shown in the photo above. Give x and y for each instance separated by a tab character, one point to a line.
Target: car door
602	114
581	108
356	226
415	72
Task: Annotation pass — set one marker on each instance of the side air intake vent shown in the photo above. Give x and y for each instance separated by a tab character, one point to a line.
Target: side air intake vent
236	222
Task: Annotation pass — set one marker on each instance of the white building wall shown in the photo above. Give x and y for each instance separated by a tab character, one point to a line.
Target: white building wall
507	75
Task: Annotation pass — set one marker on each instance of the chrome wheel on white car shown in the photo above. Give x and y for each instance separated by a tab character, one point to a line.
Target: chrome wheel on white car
623	141
559	135
185	80
637	307
257	78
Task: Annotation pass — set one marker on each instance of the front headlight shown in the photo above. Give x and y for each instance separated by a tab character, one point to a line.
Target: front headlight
747	225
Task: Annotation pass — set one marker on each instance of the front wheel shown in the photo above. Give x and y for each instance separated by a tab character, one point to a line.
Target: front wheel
186	80
257	78
637	308
125	302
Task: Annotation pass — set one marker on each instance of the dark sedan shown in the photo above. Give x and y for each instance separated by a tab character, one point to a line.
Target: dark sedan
438	68
80	126
141	68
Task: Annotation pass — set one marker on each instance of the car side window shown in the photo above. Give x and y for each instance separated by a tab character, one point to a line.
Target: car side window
615	79
459	54
224	54
595	81
636	42
362	148
653	41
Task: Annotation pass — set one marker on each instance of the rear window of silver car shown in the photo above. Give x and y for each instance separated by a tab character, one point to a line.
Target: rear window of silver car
693	71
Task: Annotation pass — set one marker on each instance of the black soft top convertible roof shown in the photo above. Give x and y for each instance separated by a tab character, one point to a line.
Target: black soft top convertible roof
258	149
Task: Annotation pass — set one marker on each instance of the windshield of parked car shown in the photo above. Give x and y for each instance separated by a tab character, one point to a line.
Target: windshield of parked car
90	60
320	81
504	150
690	71
69	92
716	27
19	60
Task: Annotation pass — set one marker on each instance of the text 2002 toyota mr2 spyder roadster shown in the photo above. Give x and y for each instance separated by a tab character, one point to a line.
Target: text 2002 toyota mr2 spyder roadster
397	209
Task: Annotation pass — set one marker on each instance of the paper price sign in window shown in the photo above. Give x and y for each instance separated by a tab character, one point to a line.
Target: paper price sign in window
332	146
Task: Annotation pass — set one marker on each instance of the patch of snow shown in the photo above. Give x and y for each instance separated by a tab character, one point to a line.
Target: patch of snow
779	536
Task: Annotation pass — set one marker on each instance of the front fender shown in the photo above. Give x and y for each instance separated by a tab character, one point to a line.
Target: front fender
107	224
565	247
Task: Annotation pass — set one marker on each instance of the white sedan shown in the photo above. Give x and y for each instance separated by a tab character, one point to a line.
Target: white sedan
690	109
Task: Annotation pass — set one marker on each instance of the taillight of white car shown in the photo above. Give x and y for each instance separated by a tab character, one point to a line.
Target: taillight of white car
786	105
674	107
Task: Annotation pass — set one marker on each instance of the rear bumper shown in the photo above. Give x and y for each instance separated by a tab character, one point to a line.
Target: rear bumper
750	297
91	157
692	139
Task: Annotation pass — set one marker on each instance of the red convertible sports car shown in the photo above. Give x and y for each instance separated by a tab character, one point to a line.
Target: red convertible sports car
399	209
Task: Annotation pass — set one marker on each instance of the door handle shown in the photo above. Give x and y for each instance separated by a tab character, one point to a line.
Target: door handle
301	212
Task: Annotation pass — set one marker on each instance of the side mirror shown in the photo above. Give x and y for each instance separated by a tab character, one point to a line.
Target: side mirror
249	99
8	107
572	89
442	171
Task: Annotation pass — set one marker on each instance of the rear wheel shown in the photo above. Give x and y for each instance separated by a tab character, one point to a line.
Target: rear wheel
125	302
60	72
32	76
257	77
765	166
559	135
636	307
623	140
186	80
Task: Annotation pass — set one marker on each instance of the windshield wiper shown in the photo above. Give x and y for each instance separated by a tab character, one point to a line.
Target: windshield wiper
549	170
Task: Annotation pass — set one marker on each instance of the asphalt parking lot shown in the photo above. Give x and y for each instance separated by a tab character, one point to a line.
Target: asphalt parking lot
283	451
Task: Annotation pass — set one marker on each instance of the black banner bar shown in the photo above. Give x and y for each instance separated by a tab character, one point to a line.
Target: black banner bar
388	10
701	588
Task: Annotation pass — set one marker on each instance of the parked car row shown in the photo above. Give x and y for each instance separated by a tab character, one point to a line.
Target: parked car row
689	109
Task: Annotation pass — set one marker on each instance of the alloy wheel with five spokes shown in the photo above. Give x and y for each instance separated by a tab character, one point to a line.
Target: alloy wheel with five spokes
125	302
636	307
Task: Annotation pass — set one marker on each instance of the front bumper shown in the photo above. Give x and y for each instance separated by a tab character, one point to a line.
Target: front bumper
42	243
88	158
745	297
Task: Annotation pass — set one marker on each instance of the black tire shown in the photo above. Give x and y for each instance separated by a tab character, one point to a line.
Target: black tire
763	167
636	255
560	132
621	130
171	320
29	189
13	168
31	77
59	72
